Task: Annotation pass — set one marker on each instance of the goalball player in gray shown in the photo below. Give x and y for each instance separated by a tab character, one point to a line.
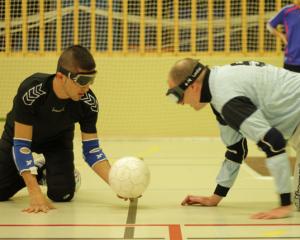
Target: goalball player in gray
250	100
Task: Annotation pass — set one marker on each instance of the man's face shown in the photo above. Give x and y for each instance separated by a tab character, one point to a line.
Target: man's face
74	90
191	95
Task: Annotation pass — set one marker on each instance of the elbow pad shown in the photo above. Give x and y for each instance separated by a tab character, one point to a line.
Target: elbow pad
273	143
23	156
92	153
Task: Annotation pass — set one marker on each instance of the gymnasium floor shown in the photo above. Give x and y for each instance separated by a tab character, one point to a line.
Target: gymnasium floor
178	167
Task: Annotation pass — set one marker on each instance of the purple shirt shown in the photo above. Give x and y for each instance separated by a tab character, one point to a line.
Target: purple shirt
289	17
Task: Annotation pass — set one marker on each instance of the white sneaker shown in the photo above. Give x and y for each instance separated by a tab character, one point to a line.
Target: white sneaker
297	197
77	179
297	201
296	185
39	162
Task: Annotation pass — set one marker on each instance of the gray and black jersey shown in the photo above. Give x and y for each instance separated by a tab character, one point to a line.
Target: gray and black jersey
36	104
256	101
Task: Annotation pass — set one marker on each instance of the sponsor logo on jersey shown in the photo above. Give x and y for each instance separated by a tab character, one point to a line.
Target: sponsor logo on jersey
90	100
33	94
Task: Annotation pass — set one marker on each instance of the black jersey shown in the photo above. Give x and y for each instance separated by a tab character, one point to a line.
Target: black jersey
36	104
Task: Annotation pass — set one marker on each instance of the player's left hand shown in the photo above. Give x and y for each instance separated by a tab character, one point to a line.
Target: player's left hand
280	212
38	203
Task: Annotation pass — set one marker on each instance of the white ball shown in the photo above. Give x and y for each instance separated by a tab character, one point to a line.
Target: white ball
129	177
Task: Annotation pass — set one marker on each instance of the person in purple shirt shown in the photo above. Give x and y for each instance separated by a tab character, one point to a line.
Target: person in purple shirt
289	17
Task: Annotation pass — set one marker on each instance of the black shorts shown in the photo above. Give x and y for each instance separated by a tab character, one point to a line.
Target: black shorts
293	68
59	166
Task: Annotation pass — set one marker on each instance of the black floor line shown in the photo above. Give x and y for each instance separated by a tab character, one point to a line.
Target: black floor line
131	217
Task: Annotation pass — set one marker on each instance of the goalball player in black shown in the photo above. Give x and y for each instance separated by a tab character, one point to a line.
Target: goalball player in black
45	110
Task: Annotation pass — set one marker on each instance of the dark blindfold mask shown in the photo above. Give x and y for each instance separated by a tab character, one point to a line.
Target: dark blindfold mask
81	78
177	93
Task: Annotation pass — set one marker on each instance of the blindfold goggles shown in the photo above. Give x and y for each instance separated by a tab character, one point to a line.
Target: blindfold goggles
81	78
176	94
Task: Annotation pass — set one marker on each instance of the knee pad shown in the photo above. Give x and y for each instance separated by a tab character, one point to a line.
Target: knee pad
5	195
273	143
61	188
60	194
3	198
8	191
238	151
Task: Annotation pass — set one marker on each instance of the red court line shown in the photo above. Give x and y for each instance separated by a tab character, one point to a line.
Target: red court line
175	232
242	225
174	229
85	225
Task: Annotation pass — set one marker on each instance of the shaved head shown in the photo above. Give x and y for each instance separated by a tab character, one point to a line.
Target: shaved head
182	69
76	58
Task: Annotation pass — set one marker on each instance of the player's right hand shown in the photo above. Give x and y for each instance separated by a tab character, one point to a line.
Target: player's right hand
201	200
280	212
38	203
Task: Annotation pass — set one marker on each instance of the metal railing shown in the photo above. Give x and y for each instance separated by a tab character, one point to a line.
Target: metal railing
192	34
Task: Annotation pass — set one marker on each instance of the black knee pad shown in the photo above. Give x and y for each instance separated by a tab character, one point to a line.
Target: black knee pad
5	195
3	198
60	194
8	191
61	187
273	143
238	151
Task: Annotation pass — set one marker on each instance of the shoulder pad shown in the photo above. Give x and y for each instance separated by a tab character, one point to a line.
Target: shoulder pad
91	100
33	94
33	87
